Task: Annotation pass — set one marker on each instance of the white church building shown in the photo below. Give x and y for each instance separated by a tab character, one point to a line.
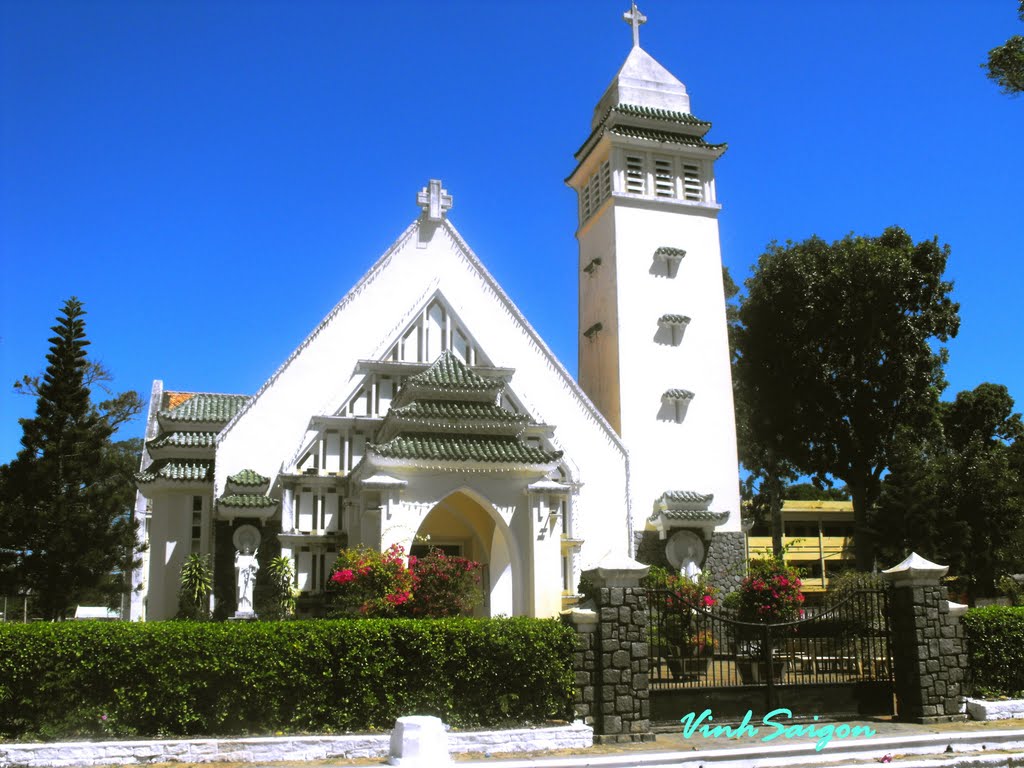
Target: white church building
425	407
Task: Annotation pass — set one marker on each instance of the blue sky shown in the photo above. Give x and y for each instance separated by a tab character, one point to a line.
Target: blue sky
211	178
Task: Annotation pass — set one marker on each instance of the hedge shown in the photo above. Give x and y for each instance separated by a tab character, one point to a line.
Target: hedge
995	647
183	678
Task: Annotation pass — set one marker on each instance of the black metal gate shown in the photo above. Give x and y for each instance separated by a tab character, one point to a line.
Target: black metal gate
837	661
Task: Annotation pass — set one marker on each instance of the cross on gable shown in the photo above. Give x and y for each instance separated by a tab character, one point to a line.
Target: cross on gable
634	18
434	200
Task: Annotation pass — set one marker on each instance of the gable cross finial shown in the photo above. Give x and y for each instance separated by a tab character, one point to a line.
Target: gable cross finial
434	200
634	18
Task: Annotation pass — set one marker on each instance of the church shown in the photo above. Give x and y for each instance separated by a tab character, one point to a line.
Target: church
425	410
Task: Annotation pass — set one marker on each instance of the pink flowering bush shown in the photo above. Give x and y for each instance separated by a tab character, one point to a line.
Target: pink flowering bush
443	585
368	583
680	603
770	593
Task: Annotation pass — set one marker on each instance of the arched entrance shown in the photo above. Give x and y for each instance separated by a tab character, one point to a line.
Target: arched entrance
464	525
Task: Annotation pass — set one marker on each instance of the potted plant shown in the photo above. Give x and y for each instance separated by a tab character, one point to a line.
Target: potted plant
677	633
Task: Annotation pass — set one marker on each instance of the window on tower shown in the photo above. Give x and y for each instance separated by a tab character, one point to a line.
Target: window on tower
635	176
597	189
692	187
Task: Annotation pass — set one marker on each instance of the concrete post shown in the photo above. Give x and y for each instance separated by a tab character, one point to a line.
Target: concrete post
928	644
612	678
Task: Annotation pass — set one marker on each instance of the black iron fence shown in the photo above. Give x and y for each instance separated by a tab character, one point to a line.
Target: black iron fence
692	647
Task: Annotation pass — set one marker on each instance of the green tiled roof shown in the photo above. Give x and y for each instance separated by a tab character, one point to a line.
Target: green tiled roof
464	448
456	410
248	477
677	394
659	114
702	515
448	372
673	320
247	500
181	471
686	497
183	440
665	252
665	137
206	407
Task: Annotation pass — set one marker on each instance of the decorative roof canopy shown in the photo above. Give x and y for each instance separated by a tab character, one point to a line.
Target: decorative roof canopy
449	415
677	395
448	378
248	477
684	509
183	440
206	408
488	449
176	471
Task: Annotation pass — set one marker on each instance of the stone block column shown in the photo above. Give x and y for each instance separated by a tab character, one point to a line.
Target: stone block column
612	658
928	644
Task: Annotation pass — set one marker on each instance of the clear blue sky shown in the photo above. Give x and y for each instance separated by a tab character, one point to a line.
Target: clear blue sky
210	178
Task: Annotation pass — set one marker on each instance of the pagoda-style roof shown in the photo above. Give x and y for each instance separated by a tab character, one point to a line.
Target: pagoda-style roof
448	378
677	395
684	509
247	500
673	320
665	137
458	416
176	471
449	413
204	407
489	449
653	113
182	440
248	477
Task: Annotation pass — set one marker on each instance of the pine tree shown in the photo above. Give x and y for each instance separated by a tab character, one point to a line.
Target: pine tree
62	499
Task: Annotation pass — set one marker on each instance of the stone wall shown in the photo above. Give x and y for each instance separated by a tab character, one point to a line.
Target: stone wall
287	748
611	665
929	655
724	563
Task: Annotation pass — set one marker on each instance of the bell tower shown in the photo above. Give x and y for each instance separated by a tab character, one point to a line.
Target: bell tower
654	353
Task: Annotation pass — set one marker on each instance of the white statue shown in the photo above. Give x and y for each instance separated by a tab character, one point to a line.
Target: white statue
247	566
691	570
684	551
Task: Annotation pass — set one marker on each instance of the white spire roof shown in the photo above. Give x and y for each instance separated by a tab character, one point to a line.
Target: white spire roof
643	82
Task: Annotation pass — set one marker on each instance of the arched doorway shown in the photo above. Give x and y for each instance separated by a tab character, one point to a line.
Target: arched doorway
462	524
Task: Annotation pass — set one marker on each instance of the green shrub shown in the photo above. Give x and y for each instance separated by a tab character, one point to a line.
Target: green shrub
188	678
995	648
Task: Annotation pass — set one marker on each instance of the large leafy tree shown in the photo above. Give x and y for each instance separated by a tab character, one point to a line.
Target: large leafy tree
957	495
834	358
1005	63
65	501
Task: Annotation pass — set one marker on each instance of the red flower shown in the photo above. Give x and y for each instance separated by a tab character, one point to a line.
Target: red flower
343	576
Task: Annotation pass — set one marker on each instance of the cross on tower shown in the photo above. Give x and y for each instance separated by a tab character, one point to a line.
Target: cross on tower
434	201
634	18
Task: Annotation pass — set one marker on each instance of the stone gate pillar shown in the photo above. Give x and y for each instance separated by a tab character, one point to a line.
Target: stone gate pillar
612	657
928	644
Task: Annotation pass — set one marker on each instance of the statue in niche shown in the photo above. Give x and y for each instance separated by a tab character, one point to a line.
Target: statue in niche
685	551
247	566
246	540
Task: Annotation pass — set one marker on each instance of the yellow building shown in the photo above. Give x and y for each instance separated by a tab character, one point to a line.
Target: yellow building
817	537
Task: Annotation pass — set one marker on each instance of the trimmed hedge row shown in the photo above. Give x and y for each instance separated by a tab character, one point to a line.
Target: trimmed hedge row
183	678
995	647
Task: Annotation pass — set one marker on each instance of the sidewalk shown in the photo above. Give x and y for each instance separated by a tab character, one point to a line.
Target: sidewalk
956	745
